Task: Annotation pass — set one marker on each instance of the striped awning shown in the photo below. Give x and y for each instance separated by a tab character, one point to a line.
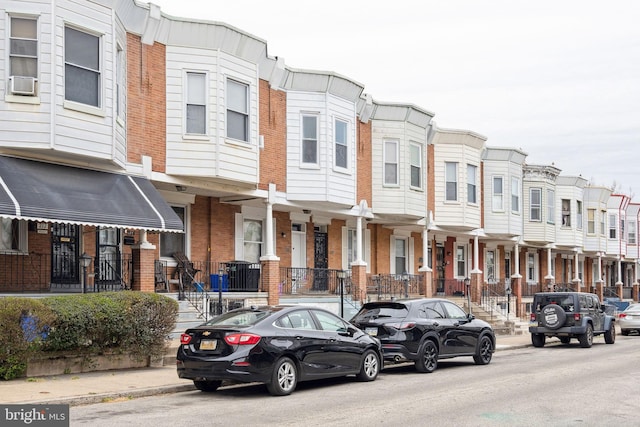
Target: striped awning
47	192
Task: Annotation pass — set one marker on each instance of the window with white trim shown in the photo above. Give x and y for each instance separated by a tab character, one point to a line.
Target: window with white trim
566	212
341	143
515	195
121	90
82	68
196	104
603	225
551	207
490	266
461	261
252	229
497	203
391	163
472	179
352	246
170	243
535	204
401	255
632	236
23	47
310	139
613	225
591	221
237	110
579	214
416	165
13	235
532	267
451	181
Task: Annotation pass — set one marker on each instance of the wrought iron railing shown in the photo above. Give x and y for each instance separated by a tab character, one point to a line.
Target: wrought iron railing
387	286
313	281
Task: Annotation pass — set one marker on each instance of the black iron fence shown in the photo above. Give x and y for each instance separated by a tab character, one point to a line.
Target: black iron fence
314	281
387	286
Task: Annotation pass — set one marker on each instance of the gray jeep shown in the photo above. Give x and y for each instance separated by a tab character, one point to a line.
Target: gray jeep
569	315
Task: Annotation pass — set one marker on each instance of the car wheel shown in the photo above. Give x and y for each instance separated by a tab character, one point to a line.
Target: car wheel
610	335
484	352
586	339
625	332
204	385
427	357
538	340
370	366
565	340
553	316
284	377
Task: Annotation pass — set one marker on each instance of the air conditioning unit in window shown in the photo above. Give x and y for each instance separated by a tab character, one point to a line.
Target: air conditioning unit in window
22	85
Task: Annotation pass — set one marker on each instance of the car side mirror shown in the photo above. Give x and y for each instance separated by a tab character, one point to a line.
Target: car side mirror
470	317
349	332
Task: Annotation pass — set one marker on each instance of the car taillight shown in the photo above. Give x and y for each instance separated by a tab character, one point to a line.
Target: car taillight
185	338
532	317
242	339
576	317
622	315
401	326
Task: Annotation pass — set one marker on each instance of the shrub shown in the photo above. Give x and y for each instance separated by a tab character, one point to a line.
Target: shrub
24	324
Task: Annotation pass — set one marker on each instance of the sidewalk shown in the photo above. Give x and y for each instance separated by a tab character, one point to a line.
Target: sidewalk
105	386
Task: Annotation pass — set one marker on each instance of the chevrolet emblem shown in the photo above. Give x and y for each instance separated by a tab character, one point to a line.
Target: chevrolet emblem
206	333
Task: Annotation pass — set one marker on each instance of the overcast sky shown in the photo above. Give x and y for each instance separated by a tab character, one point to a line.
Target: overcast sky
559	79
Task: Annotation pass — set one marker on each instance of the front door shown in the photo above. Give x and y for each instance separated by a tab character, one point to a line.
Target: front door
108	266
440	269
64	254
321	262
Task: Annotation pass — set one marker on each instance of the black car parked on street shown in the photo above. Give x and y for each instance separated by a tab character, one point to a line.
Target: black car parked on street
426	330
276	345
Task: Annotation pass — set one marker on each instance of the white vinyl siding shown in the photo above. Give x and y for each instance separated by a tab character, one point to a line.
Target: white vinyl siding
196	104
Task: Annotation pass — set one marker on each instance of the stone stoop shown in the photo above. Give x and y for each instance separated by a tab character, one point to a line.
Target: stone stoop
499	323
188	317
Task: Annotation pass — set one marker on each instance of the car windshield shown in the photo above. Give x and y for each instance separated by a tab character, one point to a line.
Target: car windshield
238	318
378	311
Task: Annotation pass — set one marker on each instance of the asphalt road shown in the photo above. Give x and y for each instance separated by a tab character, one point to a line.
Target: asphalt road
556	385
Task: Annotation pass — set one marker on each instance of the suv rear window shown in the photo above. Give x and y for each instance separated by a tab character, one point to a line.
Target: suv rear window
567	302
370	312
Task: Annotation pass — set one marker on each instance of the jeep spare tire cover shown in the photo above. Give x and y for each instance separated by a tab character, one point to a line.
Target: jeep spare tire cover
553	316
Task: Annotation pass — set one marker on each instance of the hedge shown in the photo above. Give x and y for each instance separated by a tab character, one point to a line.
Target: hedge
135	323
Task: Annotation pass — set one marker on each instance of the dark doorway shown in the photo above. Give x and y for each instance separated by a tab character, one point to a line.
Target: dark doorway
108	262
320	262
440	266
64	254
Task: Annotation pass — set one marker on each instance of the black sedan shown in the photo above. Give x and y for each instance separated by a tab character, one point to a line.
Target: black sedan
426	330
278	346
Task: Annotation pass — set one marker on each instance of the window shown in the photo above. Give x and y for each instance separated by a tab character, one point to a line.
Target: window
237	110
13	235
196	103
310	139
498	194
579	214
252	240
532	270
472	184
603	226
461	262
416	165
613	223
23	47
352	246
591	221
171	243
401	255
631	239
566	213
490	267
535	204
391	162
451	181
515	195
121	90
341	144
551	207
82	73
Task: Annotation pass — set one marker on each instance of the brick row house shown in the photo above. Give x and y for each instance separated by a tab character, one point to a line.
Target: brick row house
128	136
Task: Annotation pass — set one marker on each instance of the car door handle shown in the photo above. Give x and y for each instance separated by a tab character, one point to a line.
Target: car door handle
456	324
436	324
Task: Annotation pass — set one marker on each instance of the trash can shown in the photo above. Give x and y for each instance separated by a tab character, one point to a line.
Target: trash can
215	282
244	276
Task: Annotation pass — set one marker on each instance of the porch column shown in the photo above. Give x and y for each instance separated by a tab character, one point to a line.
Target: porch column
425	270
269	222
271	279
143	257
516	282
476	273
359	282
576	278
549	279
619	283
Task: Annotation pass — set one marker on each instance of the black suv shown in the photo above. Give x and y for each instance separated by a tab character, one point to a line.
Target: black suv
569	315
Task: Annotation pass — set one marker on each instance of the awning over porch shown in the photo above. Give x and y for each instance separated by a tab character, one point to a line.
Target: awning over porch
40	191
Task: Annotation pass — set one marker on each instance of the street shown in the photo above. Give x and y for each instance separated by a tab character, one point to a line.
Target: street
556	385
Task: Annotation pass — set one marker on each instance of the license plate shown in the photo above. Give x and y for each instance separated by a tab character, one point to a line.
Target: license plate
208	344
372	331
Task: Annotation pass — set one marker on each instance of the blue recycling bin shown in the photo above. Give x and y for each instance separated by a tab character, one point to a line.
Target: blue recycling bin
215	282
